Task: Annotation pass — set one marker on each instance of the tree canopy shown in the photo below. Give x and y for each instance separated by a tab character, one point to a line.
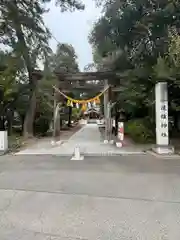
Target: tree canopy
135	36
65	59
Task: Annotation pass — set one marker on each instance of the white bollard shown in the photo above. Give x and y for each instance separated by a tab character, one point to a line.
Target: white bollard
77	155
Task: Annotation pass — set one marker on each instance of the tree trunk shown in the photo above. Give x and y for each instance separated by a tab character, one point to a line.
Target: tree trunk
10	118
22	117
30	114
29	118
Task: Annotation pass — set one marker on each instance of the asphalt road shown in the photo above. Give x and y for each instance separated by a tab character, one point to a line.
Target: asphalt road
104	198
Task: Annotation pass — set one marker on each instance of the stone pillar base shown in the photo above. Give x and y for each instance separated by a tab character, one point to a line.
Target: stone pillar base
164	150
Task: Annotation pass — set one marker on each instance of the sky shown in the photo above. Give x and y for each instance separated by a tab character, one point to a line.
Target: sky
73	28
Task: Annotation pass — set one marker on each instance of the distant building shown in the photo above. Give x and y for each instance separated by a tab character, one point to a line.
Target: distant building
92	113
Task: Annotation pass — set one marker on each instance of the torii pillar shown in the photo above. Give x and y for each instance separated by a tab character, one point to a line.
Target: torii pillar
107	112
56	115
56	118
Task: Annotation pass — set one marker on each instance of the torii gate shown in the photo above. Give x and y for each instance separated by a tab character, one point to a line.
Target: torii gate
86	81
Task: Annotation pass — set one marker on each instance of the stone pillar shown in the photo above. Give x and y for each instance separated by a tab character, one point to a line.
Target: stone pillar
109	115
162	130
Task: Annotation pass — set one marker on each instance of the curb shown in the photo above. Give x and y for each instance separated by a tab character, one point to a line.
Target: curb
164	156
84	154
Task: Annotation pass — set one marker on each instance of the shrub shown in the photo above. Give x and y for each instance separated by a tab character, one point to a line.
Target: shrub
41	125
75	113
139	130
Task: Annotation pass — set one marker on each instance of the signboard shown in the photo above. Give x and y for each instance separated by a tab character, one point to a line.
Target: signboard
121	131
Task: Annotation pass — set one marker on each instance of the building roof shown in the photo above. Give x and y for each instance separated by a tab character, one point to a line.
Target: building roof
92	110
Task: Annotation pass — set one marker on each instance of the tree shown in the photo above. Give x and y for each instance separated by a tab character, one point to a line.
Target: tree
66	5
11	88
65	59
90	67
26	34
23	30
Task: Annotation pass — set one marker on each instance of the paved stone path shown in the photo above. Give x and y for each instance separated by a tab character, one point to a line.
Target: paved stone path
89	141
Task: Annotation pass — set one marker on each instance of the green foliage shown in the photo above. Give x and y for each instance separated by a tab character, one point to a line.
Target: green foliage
24	31
44	106
76	113
10	88
65	59
71	5
41	125
139	131
138	28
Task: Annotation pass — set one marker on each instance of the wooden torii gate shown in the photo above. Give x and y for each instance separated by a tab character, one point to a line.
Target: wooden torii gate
87	81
